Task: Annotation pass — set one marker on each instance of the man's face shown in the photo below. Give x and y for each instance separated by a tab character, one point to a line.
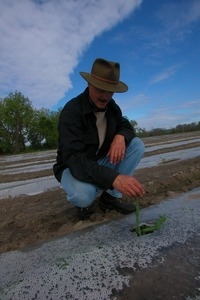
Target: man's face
99	97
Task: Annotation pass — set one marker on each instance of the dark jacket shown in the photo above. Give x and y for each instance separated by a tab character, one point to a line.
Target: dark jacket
78	141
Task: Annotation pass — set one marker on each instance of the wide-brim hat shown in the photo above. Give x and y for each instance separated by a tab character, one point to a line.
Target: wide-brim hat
105	76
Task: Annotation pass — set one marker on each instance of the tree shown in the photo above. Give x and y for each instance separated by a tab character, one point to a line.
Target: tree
15	115
35	134
134	124
43	129
51	135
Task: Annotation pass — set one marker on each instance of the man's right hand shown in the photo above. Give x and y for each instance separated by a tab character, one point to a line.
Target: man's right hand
128	185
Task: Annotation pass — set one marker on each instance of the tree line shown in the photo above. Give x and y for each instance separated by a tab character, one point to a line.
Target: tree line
142	132
24	128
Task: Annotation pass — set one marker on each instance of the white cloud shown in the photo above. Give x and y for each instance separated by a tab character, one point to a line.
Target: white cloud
129	103
171	115
173	23
176	20
165	74
177	16
194	12
42	43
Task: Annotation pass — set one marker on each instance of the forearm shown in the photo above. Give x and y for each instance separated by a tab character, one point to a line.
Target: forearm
87	170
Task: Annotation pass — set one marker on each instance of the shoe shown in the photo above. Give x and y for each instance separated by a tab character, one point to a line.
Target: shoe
106	201
84	213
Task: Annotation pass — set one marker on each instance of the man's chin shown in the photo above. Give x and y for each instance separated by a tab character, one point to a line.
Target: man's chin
102	105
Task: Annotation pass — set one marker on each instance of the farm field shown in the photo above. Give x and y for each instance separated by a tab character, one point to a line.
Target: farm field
171	166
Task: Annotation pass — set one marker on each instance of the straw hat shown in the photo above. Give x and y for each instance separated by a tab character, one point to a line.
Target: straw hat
105	76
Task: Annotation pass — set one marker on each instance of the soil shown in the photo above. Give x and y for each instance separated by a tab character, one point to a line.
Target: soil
29	220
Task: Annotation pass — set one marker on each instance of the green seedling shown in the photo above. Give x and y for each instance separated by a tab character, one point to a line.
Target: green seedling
62	263
137	213
165	161
142	229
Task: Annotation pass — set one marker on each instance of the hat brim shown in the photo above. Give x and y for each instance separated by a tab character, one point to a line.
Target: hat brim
119	87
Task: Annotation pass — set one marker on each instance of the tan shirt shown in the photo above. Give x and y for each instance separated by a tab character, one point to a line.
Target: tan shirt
101	123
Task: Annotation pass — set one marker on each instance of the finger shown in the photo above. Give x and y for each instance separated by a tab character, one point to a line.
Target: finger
137	191
115	158
111	156
138	185
120	156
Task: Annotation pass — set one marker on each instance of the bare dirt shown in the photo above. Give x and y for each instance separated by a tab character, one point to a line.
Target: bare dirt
29	220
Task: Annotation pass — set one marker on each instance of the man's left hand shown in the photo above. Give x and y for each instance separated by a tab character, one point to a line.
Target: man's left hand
117	149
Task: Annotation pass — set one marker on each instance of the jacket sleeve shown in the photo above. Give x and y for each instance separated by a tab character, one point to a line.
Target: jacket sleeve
126	130
73	154
123	125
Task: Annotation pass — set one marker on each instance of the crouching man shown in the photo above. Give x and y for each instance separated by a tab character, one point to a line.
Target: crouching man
98	148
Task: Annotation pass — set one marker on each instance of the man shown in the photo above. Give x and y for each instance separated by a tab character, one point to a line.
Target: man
98	148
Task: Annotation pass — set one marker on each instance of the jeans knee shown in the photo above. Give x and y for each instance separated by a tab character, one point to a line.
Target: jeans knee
78	193
141	146
138	146
82	198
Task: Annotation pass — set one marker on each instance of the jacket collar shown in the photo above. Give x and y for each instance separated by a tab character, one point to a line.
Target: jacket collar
85	102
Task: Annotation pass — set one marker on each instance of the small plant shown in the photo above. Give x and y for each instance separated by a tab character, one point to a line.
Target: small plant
137	213
165	161
142	229
62	263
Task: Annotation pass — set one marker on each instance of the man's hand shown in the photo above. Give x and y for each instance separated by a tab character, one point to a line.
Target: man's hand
128	185
117	149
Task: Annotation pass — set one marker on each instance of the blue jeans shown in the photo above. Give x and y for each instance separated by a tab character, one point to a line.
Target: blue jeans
83	194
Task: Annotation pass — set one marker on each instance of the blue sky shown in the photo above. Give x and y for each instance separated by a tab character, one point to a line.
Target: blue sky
44	45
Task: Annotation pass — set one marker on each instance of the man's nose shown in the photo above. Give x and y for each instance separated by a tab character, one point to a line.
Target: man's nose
106	95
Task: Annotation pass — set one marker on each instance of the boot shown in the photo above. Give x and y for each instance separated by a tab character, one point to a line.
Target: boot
106	201
84	213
